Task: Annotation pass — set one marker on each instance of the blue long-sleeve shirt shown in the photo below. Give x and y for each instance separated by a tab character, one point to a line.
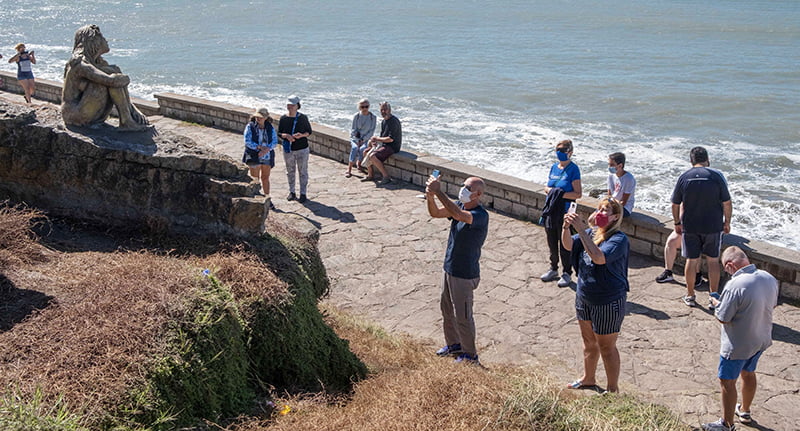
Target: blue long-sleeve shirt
261	140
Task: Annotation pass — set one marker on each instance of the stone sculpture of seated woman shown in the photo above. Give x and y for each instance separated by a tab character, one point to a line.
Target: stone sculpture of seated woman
92	87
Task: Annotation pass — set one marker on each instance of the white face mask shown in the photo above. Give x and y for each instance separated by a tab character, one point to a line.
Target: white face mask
464	195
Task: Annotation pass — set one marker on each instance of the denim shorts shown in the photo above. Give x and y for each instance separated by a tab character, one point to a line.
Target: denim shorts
21	76
729	369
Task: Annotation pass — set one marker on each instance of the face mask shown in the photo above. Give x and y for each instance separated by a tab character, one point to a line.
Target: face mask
601	220
562	156
612	170
464	195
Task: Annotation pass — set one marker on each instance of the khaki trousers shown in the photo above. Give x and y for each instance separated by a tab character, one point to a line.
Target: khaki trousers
456	304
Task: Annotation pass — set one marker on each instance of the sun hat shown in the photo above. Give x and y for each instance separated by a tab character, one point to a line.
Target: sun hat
261	112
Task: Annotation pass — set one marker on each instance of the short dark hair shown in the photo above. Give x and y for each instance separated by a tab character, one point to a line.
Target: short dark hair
698	155
618	158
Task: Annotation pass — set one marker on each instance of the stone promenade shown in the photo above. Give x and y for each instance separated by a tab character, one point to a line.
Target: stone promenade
383	254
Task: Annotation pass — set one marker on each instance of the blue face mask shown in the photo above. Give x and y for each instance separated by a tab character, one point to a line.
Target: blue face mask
562	156
612	170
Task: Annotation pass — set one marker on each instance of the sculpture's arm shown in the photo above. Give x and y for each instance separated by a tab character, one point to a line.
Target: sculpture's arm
94	74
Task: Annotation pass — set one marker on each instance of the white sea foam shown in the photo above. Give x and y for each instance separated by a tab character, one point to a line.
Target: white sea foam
469	90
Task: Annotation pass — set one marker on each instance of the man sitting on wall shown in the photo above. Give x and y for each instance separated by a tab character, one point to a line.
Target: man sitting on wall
383	146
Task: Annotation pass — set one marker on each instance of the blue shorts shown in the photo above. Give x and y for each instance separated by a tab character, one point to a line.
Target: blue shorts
21	76
606	319
729	369
695	244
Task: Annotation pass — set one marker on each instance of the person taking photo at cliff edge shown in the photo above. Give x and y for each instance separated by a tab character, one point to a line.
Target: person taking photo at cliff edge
24	60
469	225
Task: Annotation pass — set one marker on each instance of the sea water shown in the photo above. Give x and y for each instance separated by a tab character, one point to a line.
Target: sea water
491	84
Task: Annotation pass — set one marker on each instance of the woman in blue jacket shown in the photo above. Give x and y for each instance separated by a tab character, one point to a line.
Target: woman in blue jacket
260	141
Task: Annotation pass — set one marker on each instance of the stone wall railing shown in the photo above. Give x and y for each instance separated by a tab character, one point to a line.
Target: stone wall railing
50	91
522	199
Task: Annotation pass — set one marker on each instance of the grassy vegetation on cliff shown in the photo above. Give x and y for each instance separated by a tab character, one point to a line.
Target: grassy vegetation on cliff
125	337
141	338
409	388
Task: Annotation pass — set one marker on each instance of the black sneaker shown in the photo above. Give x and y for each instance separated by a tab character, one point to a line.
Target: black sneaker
665	276
291	197
453	349
302	199
698	282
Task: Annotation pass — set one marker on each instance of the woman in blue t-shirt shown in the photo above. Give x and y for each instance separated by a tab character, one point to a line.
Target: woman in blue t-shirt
601	261
565	175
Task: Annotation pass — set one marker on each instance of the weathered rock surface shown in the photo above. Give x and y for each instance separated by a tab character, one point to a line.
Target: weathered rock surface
158	179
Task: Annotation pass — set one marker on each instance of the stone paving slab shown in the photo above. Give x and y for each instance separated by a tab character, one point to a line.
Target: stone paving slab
383	254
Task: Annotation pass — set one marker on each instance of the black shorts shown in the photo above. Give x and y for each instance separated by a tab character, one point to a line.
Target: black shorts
384	153
250	158
695	244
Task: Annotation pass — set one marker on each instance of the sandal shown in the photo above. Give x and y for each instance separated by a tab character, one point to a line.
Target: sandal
577	384
348	175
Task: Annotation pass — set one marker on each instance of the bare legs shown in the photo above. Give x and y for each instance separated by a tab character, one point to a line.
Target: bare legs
749	383
376	162
262	173
596	346
728	399
29	87
690	272
671	250
713	266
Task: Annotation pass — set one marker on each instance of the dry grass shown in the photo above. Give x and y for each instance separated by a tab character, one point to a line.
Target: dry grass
243	273
411	389
106	315
91	344
17	242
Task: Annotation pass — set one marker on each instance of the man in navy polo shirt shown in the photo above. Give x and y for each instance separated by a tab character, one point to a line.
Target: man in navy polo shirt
706	215
469	223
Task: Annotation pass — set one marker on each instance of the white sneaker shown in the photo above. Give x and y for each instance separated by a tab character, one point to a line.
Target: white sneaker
565	280
550	275
718	426
744	417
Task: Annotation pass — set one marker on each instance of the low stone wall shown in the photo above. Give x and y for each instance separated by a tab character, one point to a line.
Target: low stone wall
522	199
50	91
648	232
165	182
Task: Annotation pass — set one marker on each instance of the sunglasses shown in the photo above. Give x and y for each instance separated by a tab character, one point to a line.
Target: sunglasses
364	106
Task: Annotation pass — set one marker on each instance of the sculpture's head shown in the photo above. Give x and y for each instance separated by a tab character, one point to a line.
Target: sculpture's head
90	41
